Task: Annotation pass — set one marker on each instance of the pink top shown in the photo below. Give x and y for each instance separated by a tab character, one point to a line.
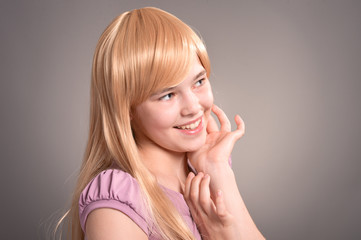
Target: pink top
116	189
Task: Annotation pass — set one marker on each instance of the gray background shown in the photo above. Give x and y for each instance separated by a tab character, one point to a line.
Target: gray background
291	69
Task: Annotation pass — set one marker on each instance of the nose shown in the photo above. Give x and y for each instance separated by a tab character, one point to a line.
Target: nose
190	104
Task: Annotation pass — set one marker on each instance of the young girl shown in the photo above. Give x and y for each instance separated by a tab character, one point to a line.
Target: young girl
156	164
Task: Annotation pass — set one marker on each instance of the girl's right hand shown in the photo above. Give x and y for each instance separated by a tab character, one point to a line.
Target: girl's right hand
219	143
218	216
209	213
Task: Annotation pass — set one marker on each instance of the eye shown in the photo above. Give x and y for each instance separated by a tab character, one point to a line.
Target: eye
199	82
166	97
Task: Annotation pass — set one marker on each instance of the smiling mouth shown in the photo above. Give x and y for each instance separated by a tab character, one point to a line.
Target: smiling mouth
191	126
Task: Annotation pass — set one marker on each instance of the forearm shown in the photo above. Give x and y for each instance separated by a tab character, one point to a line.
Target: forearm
223	178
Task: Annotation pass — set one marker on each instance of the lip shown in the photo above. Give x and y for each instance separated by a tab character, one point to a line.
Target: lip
193	131
190	122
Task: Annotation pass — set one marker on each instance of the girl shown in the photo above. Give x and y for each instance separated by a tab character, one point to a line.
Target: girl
156	164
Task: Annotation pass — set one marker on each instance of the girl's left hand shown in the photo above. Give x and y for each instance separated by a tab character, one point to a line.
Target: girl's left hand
219	143
211	216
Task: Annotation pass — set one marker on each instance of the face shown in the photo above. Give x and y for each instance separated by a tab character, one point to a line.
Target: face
175	118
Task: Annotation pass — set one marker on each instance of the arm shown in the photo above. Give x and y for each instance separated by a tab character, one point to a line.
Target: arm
222	215
111	224
211	216
212	159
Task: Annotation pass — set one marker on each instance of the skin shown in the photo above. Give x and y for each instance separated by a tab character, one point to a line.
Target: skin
111	224
156	120
212	195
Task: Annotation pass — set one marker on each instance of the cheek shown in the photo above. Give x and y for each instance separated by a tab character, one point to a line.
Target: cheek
161	117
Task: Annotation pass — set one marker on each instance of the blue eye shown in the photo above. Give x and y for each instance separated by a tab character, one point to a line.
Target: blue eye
199	82
166	97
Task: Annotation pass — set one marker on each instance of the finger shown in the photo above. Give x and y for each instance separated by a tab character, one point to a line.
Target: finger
239	132
222	118
240	123
194	189
187	186
205	195
212	125
193	198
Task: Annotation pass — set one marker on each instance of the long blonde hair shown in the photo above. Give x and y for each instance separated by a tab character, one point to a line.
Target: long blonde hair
140	52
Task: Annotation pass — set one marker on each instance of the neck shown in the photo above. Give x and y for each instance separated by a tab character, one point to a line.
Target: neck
170	168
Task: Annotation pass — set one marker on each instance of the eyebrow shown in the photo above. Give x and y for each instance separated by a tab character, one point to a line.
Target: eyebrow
201	73
163	91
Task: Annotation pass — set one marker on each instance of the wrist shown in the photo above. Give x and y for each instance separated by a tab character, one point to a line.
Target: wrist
230	232
219	170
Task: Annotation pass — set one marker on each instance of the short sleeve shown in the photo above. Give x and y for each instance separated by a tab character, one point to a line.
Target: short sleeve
116	189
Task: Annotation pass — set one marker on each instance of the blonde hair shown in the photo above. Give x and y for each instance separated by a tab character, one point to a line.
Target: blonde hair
139	53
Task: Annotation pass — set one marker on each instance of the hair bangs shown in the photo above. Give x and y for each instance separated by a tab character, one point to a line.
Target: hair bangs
164	47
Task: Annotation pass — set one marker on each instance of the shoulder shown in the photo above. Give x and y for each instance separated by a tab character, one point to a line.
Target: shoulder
106	224
114	189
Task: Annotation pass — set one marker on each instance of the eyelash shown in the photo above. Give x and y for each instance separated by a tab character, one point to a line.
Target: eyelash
163	98
200	81
168	96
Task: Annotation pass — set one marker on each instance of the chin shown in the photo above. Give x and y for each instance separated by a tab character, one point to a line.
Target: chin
193	146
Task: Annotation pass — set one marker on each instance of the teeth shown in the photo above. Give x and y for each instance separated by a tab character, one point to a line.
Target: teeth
191	126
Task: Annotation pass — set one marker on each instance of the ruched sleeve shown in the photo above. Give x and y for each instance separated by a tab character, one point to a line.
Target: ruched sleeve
114	189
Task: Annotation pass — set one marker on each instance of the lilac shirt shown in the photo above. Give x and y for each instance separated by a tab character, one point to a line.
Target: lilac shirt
116	189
